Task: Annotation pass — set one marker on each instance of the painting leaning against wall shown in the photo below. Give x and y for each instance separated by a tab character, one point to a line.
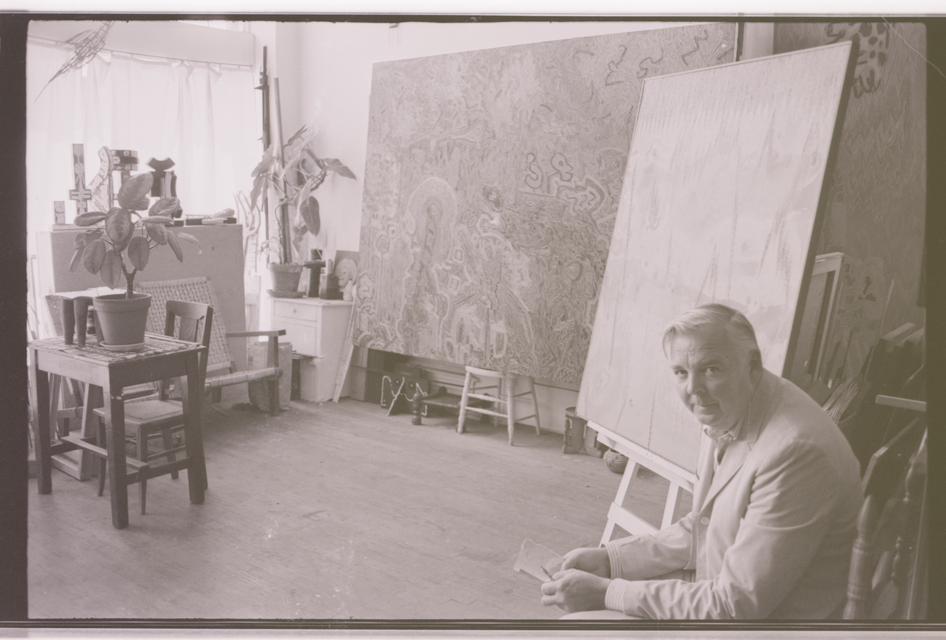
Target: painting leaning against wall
491	187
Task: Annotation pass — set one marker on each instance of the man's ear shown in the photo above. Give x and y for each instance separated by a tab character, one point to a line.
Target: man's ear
755	361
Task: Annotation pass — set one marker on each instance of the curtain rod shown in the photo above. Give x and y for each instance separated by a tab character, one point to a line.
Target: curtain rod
141	56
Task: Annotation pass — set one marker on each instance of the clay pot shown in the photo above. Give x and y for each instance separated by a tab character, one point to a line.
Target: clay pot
616	462
285	277
120	320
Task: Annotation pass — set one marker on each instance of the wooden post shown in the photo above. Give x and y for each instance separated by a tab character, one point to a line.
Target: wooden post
80	193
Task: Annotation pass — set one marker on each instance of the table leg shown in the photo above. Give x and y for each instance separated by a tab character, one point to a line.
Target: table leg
42	436
118	485
193	432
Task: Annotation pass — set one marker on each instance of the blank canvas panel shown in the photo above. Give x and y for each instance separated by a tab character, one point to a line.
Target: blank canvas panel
718	205
491	187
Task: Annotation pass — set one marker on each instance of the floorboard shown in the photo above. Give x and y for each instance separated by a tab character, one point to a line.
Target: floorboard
324	512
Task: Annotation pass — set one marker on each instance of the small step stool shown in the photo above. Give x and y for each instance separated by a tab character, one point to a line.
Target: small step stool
504	401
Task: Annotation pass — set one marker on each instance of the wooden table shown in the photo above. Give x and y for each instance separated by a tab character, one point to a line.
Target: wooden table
161	358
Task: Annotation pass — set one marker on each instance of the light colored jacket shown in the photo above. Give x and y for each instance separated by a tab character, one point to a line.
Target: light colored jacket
771	528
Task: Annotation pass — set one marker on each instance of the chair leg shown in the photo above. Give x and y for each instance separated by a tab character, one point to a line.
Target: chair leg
273	385
535	406
100	440
463	400
507	382
142	445
168	445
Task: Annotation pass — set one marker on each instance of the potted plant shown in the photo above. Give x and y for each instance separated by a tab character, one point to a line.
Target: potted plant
294	172
117	246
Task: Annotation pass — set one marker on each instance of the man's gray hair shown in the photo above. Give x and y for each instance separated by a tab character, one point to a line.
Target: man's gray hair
718	315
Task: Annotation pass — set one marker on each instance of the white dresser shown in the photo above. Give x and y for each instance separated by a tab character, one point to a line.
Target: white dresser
316	328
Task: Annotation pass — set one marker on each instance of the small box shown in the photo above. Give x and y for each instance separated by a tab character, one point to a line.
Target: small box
316	380
59	211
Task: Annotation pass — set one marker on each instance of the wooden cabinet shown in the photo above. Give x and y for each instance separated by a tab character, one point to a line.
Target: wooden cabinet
316	329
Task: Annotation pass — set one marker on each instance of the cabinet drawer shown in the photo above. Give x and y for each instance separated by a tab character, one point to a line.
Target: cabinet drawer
304	336
293	311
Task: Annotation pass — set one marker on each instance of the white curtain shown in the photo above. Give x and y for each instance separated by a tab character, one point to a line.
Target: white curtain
202	116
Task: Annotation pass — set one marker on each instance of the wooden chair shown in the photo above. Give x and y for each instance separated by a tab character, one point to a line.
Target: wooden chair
504	399
159	415
886	573
221	369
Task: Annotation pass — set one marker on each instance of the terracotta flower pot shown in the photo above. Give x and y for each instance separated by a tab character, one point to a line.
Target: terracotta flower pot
122	320
285	277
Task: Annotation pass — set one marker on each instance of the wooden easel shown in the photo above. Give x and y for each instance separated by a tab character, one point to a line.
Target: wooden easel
638	457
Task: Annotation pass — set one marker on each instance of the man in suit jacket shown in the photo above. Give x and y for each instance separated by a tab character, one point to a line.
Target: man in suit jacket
774	507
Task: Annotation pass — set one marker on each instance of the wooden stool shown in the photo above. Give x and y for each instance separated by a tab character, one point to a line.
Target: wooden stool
504	400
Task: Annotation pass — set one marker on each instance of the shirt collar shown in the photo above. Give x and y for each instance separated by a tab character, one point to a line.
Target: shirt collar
724	436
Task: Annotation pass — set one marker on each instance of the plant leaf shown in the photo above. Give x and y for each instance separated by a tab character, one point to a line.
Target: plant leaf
119	228
94	255
111	272
90	218
175	245
166	207
258	184
298	134
157	220
309	212
157	232
76	257
186	236
134	193
339	167
139	251
265	164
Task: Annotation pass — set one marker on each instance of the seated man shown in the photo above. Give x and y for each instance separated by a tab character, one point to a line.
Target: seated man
774	507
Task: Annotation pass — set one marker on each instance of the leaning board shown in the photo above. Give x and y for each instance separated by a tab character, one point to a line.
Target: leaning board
491	187
718	205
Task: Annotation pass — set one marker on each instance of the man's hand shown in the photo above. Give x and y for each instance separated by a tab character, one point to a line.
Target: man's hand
574	590
592	560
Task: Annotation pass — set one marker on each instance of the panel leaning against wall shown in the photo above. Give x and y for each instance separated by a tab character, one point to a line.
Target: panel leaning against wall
491	186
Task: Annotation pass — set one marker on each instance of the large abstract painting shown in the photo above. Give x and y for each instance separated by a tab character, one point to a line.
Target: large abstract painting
718	205
491	188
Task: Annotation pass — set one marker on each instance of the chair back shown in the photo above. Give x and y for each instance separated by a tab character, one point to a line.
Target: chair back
197	289
882	583
191	321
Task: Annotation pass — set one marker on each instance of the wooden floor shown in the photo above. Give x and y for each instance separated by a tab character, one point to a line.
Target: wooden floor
324	512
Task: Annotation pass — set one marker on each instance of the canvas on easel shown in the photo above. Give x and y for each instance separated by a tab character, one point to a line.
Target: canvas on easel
719	204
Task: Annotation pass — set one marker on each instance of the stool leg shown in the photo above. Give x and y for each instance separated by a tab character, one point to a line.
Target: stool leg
142	446
507	383
101	440
463	399
535	406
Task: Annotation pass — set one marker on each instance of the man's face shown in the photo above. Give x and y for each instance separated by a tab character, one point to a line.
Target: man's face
714	376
